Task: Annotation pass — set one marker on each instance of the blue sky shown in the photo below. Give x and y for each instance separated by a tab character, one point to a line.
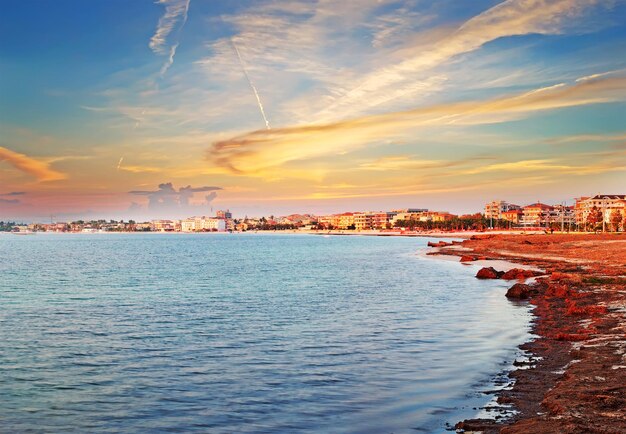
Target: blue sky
370	104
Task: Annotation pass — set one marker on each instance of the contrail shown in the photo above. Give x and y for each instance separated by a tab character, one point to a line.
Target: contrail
256	94
119	164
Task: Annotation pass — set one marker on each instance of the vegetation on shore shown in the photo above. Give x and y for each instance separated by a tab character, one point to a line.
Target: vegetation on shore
7	226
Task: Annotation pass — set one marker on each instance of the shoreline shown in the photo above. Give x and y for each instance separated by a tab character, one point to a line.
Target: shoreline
367	233
575	377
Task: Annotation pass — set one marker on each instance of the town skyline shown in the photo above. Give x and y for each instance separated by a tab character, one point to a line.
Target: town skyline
588	213
171	206
110	108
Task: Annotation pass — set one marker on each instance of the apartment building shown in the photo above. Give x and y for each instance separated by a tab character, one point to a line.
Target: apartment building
606	203
346	220
514	216
540	214
164	225
200	224
495	209
535	214
373	220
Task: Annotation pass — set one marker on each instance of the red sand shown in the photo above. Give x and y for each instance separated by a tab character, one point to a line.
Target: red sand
578	380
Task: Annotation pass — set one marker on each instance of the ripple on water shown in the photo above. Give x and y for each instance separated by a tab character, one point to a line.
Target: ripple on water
244	333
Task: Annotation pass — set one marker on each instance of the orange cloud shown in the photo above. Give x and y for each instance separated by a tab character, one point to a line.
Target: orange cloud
26	164
257	151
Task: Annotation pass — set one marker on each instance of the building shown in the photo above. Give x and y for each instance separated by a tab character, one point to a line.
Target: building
336	221
514	216
436	216
346	221
362	221
404	216
540	214
606	203
203	224
495	209
408	214
562	215
410	210
164	225
224	215
328	221
373	220
536	214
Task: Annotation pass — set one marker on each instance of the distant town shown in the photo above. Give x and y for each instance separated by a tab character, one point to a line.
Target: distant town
605	213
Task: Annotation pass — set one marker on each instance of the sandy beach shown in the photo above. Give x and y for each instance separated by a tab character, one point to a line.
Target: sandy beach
575	377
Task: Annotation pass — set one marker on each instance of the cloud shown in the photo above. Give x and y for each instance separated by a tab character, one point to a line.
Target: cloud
509	18
175	10
554	166
31	166
407	162
175	16
301	55
262	149
140	169
606	138
10	201
169	202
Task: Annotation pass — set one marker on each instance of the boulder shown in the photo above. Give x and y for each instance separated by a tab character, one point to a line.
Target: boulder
518	274
466	258
437	244
487	273
519	291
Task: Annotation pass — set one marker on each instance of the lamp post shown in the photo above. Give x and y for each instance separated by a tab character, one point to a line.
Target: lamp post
604	202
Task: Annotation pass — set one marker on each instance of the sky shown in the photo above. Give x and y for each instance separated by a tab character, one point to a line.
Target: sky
171	108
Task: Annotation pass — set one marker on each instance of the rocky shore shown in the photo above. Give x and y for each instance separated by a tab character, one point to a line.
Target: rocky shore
574	379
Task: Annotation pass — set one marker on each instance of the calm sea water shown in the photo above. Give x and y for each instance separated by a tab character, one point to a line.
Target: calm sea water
244	333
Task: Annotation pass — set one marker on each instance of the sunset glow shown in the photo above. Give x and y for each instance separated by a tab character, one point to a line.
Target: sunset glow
274	107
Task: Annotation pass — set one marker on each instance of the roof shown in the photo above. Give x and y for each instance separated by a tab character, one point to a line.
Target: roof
609	196
539	205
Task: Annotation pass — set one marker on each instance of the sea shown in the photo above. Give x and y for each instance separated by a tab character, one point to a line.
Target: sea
245	333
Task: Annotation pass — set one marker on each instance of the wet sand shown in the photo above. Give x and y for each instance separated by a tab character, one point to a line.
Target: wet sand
575	379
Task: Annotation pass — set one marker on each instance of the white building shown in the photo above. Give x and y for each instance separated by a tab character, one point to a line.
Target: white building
605	203
203	224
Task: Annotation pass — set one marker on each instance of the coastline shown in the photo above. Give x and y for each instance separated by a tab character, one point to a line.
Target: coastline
575	377
370	233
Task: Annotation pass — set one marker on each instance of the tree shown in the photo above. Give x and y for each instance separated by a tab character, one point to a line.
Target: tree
594	217
616	219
